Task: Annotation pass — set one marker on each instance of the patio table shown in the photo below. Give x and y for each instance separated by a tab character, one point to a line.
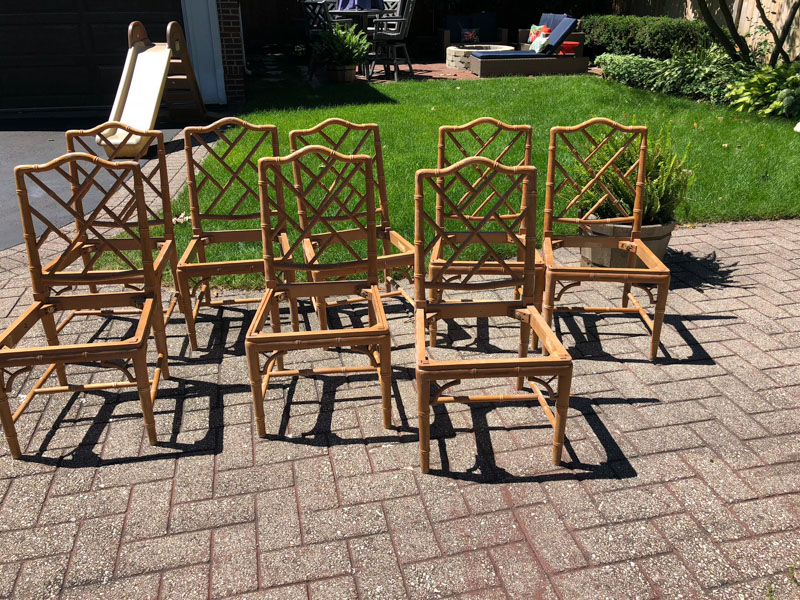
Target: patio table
359	17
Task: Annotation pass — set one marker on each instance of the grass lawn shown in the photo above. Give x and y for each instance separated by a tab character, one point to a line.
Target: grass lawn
746	167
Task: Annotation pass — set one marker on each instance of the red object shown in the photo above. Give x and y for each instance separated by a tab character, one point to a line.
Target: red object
568	48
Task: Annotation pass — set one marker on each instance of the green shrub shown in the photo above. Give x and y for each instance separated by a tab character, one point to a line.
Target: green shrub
651	37
702	74
667	181
769	91
343	46
631	70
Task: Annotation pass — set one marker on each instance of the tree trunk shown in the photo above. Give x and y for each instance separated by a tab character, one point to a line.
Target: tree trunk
787	27
717	31
744	49
779	51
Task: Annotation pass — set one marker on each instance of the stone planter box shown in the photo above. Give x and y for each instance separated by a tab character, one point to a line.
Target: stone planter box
458	56
655	237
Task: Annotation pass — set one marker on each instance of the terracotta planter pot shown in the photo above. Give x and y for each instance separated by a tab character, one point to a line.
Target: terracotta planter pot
341	73
655	237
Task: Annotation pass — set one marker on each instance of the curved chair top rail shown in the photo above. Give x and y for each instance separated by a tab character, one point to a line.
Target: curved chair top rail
224	122
599	121
98	129
21	170
330	123
314	149
485	121
469	161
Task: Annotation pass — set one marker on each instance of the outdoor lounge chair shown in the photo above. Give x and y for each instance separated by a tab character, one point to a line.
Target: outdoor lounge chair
223	187
113	138
120	229
507	144
396	253
586	164
336	196
475	256
526	62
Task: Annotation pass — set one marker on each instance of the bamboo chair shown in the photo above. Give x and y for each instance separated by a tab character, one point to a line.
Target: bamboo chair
223	187
397	252
475	252
96	233
579	173
507	144
115	139
336	195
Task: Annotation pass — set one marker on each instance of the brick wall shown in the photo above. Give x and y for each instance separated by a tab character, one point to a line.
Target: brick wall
232	53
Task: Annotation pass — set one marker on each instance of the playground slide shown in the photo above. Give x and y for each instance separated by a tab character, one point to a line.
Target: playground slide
140	89
152	72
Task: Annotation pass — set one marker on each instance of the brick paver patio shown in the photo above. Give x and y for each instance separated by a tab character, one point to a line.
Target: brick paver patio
682	477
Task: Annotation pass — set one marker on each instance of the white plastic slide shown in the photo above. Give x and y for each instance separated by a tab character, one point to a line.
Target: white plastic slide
140	89
797	128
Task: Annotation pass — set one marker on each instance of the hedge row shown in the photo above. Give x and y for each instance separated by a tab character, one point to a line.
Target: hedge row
652	37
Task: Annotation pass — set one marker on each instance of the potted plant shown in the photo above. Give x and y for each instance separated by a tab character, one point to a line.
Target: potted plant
667	182
342	48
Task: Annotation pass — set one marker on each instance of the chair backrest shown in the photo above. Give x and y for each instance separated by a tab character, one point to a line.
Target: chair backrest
113	138
335	213
560	33
222	177
60	191
408	12
507	144
494	246
552	19
588	166
316	16
392	8
348	138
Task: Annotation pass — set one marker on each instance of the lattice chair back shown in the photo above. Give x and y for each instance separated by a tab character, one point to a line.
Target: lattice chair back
105	201
507	144
334	213
349	138
482	245
316	17
113	139
223	175
591	169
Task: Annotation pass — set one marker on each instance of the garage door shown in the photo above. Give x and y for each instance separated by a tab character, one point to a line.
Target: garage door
60	53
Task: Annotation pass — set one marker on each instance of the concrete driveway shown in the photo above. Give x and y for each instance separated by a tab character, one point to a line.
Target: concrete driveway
37	139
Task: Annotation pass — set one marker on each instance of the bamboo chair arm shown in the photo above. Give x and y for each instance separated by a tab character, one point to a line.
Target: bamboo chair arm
419	331
191	251
550	342
547	253
399	242
21	325
162	259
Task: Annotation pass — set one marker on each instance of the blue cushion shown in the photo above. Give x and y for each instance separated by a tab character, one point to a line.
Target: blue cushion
551	20
509	54
559	34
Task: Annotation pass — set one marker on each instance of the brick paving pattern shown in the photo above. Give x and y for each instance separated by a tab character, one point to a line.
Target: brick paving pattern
682	477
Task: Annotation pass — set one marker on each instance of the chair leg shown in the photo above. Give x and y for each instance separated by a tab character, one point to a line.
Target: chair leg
275	323
562	408
160	335
626	288
524	335
424	414
394	62
256	382
8	423
549	297
145	397
185	302
658	318
408	60
51	334
385	377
